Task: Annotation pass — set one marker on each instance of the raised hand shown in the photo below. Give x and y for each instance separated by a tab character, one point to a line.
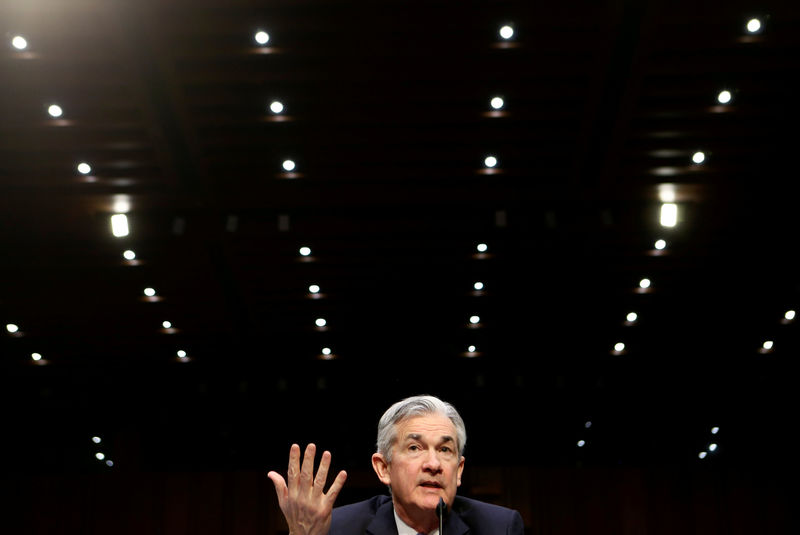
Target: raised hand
305	505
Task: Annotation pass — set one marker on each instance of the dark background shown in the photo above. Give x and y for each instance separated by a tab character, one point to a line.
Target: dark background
387	117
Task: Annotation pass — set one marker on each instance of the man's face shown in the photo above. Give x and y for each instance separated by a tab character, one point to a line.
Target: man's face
425	464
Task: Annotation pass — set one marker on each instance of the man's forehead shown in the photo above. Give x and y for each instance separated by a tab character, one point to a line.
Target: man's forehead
429	425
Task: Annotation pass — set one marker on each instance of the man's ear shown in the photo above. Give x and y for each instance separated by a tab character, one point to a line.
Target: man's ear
381	468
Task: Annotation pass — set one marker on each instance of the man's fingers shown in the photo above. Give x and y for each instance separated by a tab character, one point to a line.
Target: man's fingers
293	471
280	488
322	472
336	486
307	469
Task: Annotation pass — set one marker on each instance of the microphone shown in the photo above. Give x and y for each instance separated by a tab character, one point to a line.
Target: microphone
441	509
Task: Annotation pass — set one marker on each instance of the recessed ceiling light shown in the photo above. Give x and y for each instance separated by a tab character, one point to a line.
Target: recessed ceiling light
702	454
496	103
55	110
481	247
724	97
698	157
632	317
166	324
181	354
119	225
712	447
97	440
314	289
506	32
320	322
129	255
660	244
149	292
490	161
619	346
288	165
666	192
304	251
84	168
644	283
789	315
12	328
261	37
767	345
753	25
581	443
36	356
474	319
478	285
471	349
276	106
19	42
100	456
714	430
326	351
669	214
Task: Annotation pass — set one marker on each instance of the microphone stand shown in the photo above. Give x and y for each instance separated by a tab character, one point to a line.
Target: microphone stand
440	510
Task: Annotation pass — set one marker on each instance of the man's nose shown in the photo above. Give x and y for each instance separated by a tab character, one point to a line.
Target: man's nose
432	462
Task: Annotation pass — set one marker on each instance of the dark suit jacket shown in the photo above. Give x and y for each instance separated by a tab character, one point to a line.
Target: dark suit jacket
376	517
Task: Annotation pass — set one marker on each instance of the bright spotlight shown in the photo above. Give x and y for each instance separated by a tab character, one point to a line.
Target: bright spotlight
19	42
119	225
262	37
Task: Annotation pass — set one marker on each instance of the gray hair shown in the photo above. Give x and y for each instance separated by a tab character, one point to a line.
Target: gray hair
409	408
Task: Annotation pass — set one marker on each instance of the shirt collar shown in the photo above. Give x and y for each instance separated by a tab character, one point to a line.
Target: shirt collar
405	529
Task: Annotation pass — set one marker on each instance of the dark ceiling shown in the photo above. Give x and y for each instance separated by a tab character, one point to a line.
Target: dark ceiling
387	117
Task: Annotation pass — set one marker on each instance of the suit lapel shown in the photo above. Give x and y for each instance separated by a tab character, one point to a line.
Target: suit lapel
453	525
383	522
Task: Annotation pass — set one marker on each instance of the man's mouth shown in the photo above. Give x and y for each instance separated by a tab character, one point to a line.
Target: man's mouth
431	485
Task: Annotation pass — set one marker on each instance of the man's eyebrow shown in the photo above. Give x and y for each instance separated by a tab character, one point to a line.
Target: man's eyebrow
417	436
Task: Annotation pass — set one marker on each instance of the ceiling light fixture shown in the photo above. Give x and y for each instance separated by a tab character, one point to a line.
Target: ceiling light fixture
506	32
119	225
55	110
490	161
261	37
698	157
496	103
19	42
669	214
724	97
84	168
660	244
276	106
753	25
288	165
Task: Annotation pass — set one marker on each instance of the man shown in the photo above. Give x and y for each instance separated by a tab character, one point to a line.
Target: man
419	458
